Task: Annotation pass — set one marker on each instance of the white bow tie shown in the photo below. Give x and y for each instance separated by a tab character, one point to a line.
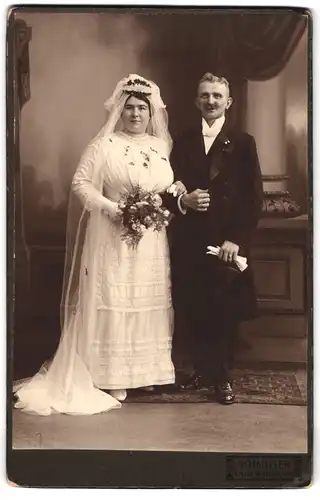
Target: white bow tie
212	132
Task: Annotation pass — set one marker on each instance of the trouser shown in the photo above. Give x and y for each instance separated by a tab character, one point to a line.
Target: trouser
213	347
210	329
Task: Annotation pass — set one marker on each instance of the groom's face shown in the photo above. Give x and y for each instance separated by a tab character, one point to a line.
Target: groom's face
213	99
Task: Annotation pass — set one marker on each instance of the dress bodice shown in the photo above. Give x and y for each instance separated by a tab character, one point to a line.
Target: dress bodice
132	161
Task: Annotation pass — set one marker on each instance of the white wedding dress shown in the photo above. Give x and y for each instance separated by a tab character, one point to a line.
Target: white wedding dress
119	336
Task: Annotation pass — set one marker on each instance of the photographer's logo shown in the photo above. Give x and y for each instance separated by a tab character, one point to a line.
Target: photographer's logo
263	468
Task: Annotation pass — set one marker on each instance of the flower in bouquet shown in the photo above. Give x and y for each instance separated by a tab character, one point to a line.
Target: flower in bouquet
141	210
121	204
148	221
157	200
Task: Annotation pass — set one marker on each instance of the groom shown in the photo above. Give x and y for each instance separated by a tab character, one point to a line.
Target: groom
220	168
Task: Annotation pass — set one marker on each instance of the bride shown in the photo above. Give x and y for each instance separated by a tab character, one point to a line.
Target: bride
117	317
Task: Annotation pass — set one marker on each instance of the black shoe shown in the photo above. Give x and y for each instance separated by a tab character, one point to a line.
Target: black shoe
193	383
225	394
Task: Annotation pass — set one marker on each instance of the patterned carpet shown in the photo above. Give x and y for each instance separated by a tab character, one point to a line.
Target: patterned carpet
250	386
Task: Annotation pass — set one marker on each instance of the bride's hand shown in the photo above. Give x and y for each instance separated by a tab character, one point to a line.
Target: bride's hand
113	212
180	187
177	188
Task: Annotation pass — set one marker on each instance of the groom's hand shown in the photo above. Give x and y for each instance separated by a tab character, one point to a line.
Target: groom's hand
198	200
229	251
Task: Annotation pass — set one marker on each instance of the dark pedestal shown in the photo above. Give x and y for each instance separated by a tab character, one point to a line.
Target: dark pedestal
281	269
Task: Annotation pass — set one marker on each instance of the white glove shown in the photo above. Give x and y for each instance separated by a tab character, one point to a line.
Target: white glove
240	261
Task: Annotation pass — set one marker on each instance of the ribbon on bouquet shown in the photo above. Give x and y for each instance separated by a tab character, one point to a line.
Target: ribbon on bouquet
240	261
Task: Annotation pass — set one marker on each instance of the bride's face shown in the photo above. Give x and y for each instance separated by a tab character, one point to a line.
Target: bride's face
135	116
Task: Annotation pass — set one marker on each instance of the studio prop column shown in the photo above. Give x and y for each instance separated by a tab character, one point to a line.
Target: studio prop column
266	122
279	334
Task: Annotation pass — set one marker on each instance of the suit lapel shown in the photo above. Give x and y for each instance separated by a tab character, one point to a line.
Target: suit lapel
217	152
196	147
198	143
215	160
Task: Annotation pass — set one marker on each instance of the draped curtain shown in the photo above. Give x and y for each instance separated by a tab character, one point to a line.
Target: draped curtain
240	44
262	43
183	44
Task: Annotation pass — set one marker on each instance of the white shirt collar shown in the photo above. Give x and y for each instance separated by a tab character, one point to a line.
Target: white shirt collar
215	128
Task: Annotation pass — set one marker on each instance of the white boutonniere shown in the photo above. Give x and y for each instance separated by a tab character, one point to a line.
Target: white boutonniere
227	146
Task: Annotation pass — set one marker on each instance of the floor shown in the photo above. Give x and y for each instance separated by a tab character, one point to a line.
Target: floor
173	427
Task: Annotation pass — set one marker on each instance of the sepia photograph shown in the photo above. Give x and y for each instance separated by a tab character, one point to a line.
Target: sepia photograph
159	165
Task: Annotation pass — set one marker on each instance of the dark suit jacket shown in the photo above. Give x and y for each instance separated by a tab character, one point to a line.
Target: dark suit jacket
231	173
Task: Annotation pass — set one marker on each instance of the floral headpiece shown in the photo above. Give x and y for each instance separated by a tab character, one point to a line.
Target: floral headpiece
137	85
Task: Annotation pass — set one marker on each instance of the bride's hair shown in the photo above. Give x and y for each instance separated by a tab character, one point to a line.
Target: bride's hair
138	95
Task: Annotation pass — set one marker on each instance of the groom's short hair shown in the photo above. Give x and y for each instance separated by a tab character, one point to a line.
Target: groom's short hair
209	77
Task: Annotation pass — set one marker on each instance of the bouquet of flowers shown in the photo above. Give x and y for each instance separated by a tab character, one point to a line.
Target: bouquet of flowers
140	210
